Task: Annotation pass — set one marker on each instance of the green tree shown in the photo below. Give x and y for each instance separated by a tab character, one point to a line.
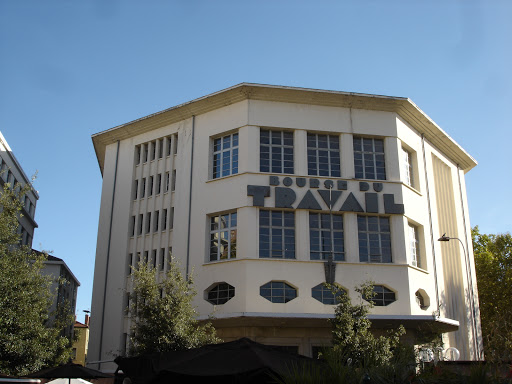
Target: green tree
493	263
28	342
352	336
162	312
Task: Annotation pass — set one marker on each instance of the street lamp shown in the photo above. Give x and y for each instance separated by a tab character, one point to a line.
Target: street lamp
470	283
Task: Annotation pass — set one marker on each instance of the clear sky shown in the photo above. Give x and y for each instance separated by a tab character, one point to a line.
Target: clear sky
69	69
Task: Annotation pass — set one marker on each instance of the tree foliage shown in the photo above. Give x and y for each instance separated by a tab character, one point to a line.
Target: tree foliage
352	336
163	318
493	263
27	341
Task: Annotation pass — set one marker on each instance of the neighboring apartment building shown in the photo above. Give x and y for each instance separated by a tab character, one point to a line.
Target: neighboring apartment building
12	173
239	185
81	344
65	292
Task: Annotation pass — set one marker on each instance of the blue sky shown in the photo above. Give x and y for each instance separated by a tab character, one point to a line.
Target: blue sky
69	69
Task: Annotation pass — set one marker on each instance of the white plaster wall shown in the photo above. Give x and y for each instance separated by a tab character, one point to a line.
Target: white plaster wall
247	273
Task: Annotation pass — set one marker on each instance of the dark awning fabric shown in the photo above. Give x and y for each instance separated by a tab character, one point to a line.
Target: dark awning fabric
240	361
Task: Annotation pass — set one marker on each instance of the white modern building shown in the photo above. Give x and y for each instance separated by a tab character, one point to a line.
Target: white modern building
239	186
12	173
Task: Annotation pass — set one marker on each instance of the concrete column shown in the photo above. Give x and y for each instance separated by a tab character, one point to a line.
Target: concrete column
398	239
350	237
247	233
249	149
392	151
347	156
302	234
300	154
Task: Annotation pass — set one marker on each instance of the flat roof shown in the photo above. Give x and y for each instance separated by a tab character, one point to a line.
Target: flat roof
402	106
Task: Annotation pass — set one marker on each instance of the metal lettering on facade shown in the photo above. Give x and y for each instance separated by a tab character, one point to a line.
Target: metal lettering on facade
285	197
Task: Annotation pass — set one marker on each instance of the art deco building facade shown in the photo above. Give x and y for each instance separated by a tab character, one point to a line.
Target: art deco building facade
255	187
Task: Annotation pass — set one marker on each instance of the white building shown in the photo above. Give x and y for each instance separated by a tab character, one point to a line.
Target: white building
12	173
237	184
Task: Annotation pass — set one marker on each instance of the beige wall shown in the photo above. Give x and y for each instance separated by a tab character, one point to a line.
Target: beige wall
247	272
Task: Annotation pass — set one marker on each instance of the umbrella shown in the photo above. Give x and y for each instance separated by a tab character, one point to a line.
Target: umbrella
69	371
238	361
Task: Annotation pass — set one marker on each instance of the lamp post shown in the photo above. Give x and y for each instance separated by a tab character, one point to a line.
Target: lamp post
445	238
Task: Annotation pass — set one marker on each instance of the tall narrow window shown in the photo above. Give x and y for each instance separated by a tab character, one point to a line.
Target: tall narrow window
156	221
164	219
173	181
171	219
414	246
143	188
175	144
153	258
162	258
135	189
374	239
146	151
276	151
158	183
169	146
148	222
369	160
137	155
160	148
320	241
225	156
150	186
277	234
323	155
141	223
407	167
153	150
223	236
167	181
132	226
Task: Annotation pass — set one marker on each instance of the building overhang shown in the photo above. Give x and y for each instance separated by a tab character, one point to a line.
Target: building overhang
402	106
315	320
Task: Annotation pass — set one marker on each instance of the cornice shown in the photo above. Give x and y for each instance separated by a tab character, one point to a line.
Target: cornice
403	107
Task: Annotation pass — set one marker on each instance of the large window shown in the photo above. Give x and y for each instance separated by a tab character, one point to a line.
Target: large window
323	155
374	239
276	151
278	292
325	295
369	158
277	234
409	159
220	293
320	240
225	155
382	296
414	246
223	236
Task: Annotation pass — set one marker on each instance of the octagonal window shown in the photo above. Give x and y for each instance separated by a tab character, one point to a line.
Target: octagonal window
278	292
383	296
324	294
220	293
